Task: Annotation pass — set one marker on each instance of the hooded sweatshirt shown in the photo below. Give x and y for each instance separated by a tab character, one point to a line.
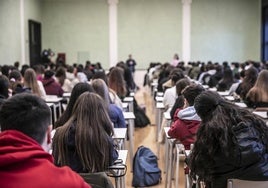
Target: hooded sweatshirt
185	126
24	163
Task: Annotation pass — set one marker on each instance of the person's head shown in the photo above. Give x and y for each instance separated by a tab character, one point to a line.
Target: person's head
101	75
191	92
262	79
17	65
102	90
175	75
216	135
259	92
28	114
91	136
116	81
181	84
76	92
176	56
4	83
15	76
48	74
61	75
30	81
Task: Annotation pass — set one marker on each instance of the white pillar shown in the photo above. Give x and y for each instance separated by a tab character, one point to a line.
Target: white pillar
186	30
22	33
113	54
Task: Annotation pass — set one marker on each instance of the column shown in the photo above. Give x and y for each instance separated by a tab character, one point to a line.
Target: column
113	54
22	33
186	30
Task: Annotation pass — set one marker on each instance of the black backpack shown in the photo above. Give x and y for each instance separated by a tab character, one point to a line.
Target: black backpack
145	168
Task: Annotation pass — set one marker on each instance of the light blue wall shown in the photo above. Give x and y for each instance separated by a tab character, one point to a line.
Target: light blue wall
226	30
77	26
9	32
32	11
150	30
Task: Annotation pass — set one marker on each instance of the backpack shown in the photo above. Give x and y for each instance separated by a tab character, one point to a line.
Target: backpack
141	120
145	168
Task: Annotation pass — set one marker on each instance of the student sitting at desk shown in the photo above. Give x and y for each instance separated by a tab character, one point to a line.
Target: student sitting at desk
115	113
231	143
186	121
258	95
76	92
85	142
24	143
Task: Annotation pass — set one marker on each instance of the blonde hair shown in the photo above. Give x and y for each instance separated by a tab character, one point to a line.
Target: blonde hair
259	92
31	81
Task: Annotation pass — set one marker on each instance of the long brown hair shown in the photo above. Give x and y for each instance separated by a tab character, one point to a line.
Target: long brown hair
30	81
259	92
117	82
92	130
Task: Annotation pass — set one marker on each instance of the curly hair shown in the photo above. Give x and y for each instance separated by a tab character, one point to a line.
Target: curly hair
215	136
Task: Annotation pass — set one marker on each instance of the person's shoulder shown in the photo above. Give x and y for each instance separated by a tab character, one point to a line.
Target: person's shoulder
65	177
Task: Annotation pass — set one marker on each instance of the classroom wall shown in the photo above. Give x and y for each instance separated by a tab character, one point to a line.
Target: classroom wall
226	30
32	11
10	32
78	29
148	29
10	24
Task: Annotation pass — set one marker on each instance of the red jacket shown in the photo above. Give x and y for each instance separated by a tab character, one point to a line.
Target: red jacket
52	87
23	163
185	126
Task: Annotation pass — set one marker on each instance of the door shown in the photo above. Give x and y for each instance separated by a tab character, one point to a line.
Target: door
35	42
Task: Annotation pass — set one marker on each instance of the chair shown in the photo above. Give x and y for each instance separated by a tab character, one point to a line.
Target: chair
97	180
236	183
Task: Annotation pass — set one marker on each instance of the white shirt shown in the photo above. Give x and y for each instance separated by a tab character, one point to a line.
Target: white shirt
170	96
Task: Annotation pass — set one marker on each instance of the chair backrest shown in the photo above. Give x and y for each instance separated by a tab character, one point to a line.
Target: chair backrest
97	180
236	183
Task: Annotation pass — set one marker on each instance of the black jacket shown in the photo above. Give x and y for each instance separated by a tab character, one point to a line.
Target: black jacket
250	159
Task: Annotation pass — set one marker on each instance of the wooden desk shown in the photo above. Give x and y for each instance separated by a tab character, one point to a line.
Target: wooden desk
130	117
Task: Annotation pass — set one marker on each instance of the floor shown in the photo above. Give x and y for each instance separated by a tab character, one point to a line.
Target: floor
146	137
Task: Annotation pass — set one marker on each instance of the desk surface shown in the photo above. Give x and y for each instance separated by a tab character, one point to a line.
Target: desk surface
128	115
262	114
122	154
160	105
125	105
66	95
120	133
167	115
166	131
223	93
53	100
50	104
128	99
240	104
159	99
229	98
